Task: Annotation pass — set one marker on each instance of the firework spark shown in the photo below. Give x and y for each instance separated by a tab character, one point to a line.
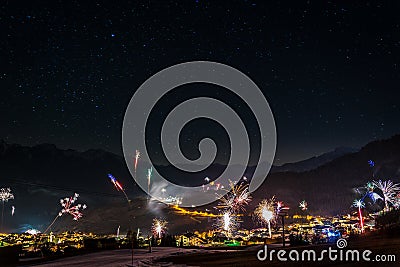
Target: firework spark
68	207
389	190
118	186
303	205
265	213
159	227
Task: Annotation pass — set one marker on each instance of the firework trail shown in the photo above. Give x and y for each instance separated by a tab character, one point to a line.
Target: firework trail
12	210
303	205
389	190
5	196
118	186
265	213
137	156
359	204
68	207
159	227
149	173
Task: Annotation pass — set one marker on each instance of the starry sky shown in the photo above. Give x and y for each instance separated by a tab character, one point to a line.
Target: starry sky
329	70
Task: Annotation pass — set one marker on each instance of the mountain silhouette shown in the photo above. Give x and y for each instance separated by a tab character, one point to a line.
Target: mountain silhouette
40	175
313	162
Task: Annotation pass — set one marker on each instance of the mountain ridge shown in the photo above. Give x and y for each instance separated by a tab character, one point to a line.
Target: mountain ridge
42	174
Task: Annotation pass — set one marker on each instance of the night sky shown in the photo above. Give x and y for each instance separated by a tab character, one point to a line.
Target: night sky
330	71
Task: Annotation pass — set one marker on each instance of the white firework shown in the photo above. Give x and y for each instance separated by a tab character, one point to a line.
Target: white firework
227	222
358	203
389	191
265	213
159	227
5	194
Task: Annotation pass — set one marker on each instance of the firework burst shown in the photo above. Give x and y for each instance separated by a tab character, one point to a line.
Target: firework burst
303	205
265	213
159	227
5	196
358	203
389	190
68	207
236	199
